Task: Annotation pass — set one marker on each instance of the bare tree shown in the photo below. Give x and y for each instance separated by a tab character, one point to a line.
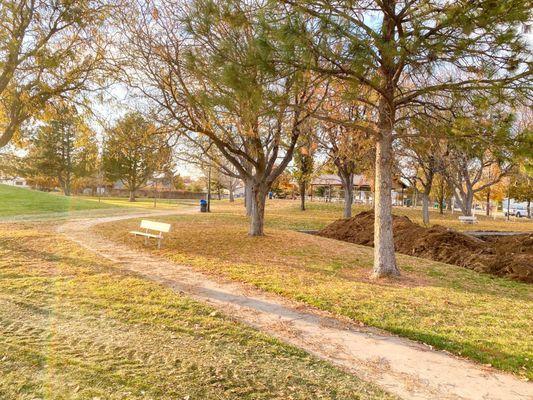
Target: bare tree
304	159
475	165
213	75
422	151
348	147
466	171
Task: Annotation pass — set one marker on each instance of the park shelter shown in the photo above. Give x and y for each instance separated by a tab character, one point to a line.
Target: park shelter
328	187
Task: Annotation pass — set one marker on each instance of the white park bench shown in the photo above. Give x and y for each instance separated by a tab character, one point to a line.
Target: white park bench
467	219
150	227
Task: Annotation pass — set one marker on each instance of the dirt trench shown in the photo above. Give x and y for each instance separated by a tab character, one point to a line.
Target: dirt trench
508	256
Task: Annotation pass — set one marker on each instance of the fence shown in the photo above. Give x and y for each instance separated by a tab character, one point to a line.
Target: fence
166	194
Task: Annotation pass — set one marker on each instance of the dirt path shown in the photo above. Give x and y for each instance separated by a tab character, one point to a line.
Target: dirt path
406	368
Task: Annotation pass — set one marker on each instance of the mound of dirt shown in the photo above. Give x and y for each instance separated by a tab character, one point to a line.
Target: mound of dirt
510	256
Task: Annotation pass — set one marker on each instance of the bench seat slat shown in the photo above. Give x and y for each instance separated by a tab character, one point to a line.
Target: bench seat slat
146	234
467	219
155	226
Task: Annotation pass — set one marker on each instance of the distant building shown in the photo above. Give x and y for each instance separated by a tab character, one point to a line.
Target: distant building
327	184
14	181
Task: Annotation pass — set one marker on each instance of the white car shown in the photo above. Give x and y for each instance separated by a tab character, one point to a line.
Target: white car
518	210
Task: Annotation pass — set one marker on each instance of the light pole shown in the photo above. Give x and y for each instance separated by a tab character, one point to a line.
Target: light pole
209	187
209	177
509	203
156	178
99	188
155	192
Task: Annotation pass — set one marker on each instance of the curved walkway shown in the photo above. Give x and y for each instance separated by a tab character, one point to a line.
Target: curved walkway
406	368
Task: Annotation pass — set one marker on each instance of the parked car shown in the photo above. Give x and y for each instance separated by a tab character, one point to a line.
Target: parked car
518	210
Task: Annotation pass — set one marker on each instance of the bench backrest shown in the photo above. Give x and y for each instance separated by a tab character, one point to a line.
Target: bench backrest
155	226
466	218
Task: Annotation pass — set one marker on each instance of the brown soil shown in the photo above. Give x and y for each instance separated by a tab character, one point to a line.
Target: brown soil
510	256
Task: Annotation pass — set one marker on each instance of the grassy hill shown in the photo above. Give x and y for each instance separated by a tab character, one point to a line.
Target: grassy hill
16	201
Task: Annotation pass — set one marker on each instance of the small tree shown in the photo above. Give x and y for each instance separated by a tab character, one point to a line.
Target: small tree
178	182
347	147
475	165
134	151
495	192
522	189
422	152
10	165
201	153
442	191
62	149
304	159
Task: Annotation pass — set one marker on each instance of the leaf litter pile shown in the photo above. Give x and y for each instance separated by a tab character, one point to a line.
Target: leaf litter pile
508	256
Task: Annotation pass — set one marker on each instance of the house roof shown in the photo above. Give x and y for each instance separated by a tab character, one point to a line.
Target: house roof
334	180
358	181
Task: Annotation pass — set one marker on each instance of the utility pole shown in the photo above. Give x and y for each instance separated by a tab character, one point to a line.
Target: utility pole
508	204
100	172
209	187
99	187
156	178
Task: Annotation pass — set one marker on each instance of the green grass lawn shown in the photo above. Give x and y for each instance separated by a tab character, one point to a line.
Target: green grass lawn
21	202
482	317
74	327
16	201
146	203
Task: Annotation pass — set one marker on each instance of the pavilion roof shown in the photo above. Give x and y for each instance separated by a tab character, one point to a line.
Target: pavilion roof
358	181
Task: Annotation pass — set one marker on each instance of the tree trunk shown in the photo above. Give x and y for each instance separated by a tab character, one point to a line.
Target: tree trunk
384	258
425	208
468	204
132	195
66	189
529	208
465	203
465	200
231	193
302	194
62	184
258	210
348	201
248	197
487	211
441	196
348	196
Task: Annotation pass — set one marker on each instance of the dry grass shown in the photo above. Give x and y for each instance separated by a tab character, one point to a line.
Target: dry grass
287	214
479	316
74	327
